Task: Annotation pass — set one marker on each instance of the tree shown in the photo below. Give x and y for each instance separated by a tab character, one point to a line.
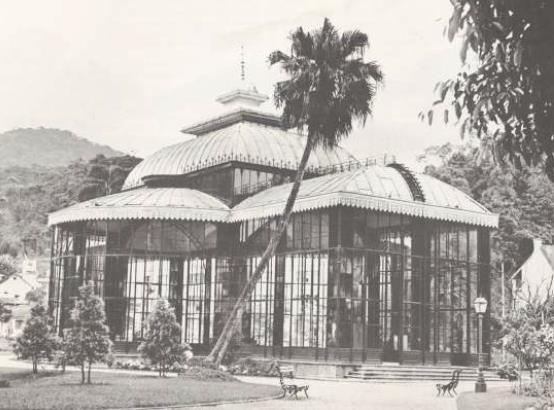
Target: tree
5	313
507	97
34	296
329	86
522	197
37	341
162	340
7	266
106	175
7	269
520	341
87	340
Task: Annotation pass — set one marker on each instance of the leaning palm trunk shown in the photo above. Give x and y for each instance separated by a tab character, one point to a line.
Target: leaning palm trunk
220	348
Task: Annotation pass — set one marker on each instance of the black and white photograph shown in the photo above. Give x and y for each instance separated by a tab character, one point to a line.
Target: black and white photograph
277	205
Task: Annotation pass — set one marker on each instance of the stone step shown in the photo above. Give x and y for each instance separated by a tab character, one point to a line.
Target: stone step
388	372
382	376
414	373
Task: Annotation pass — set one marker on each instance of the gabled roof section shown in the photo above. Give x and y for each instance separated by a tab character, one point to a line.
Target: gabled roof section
548	251
540	250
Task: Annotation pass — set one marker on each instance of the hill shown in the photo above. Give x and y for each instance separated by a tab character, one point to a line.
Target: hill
48	147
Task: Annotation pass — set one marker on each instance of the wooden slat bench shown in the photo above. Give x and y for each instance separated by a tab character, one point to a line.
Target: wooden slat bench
286	371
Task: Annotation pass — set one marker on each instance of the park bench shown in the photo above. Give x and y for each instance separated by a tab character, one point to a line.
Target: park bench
286	371
451	385
290	389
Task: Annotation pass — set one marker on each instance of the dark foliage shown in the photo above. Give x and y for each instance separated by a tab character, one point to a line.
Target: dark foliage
106	175
37	341
87	341
523	198
29	194
329	84
507	98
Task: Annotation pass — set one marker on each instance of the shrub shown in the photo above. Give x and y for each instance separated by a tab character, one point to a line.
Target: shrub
110	359
37	340
205	373
162	344
254	367
87	340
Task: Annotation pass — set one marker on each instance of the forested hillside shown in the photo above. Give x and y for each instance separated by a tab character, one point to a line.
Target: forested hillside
29	194
49	147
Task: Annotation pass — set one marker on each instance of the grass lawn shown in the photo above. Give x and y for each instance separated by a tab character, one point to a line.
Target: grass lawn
494	399
112	390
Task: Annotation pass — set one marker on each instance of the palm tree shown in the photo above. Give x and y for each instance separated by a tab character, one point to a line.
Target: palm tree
329	86
106	176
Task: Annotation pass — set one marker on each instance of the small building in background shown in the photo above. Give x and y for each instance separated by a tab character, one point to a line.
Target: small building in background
12	294
535	277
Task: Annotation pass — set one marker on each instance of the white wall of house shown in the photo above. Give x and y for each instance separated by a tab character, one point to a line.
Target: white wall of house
12	293
17	286
14	326
535	278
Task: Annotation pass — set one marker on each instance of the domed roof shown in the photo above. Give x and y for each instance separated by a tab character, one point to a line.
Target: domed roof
380	188
146	203
244	141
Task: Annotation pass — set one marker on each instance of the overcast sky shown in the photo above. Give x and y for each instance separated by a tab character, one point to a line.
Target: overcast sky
131	74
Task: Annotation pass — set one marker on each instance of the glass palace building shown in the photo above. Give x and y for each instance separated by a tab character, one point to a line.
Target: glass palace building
378	263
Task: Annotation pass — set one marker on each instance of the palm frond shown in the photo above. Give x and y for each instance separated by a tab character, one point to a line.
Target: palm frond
329	86
353	41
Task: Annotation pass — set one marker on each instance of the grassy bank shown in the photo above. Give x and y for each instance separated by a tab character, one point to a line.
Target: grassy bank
111	390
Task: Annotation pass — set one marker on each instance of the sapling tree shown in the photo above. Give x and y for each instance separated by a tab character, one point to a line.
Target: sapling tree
88	341
37	341
162	345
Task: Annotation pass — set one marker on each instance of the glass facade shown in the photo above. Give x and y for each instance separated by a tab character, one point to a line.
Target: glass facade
357	282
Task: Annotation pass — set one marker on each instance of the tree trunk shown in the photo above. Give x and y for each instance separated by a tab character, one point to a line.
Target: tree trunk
35	365
88	375
83	372
520	375
220	348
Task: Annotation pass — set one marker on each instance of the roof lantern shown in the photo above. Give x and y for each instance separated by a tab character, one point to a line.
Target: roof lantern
245	94
242	102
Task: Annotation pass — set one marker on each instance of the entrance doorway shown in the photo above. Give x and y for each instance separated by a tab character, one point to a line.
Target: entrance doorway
390	300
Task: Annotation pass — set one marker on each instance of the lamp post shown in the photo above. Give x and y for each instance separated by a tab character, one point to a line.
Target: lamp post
480	305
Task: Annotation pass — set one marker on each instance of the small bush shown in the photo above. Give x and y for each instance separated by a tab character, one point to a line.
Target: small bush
110	359
131	365
4	383
199	361
248	366
204	373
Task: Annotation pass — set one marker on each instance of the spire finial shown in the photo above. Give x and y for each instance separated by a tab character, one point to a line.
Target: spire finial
242	63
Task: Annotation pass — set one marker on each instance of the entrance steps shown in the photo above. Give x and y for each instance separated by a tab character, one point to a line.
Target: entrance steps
396	373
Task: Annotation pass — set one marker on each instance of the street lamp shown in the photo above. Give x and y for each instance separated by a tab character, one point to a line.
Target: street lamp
480	305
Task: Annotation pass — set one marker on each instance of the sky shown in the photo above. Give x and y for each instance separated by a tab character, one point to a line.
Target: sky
131	74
